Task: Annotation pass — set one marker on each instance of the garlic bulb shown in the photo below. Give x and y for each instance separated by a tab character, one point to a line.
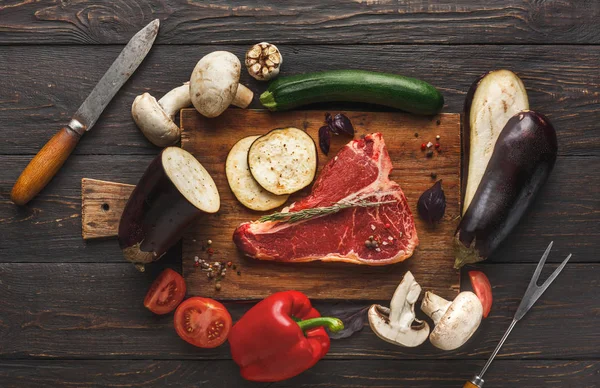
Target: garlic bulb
263	61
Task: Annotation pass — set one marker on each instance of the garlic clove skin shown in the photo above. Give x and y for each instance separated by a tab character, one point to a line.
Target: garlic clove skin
263	61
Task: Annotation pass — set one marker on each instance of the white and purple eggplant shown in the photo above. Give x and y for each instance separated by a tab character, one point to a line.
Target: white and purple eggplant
523	157
174	191
492	100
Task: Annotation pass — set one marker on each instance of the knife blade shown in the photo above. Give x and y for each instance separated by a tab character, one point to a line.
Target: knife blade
42	168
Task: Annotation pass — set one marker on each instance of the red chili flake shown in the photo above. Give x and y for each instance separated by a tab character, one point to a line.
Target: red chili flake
229	263
387	226
196	264
423	146
437	145
210	251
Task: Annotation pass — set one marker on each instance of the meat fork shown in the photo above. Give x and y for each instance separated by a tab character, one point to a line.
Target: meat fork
531	296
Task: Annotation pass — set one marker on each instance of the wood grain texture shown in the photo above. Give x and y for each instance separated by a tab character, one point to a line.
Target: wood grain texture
327	373
302	21
48	229
43	86
95	311
210	140
102	204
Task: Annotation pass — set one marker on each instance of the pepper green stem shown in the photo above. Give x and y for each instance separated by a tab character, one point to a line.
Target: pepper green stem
333	324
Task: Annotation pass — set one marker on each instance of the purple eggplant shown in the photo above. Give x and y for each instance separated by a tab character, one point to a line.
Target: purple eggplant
174	190
522	159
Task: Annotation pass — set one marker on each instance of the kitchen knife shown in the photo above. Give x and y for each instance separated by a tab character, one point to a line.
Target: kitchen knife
42	168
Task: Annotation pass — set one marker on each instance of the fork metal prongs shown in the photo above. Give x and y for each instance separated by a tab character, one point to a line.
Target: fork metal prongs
533	290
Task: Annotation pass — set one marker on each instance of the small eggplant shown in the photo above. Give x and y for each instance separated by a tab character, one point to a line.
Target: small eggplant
492	100
523	157
174	190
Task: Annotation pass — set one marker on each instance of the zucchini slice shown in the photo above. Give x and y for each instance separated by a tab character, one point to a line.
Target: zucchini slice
283	161
241	182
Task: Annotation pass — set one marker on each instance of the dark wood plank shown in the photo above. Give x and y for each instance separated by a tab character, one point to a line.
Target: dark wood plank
48	229
327	373
43	86
301	21
95	311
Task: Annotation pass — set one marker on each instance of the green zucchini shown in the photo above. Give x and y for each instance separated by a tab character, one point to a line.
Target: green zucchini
408	94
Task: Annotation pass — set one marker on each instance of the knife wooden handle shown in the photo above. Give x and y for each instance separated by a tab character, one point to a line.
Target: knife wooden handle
44	166
469	384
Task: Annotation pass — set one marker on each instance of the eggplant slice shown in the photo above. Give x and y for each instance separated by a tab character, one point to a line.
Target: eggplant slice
174	190
492	100
283	161
243	185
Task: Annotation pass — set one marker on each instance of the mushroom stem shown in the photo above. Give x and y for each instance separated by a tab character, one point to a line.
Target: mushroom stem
434	306
176	99
243	97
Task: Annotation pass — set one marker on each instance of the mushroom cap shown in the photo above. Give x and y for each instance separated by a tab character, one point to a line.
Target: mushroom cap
154	122
214	82
459	323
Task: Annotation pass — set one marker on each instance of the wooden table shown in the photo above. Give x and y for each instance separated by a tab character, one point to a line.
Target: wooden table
71	312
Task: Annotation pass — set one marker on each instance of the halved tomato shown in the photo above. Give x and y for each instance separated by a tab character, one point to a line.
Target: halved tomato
202	322
483	289
166	292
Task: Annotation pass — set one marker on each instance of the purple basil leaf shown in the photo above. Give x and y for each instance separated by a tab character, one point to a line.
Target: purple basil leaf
330	123
354	319
431	205
324	139
342	124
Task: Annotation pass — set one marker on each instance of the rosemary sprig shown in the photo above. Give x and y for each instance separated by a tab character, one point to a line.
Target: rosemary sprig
318	211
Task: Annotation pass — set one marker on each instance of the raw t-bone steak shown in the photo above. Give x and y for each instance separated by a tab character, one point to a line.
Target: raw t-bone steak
360	171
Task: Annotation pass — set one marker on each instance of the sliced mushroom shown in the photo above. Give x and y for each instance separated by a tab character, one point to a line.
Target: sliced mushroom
263	61
398	324
214	84
155	118
455	321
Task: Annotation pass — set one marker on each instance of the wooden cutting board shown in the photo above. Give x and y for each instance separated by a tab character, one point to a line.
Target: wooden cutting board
210	141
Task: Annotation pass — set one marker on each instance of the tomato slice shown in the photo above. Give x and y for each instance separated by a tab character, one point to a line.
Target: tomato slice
483	289
202	322
166	292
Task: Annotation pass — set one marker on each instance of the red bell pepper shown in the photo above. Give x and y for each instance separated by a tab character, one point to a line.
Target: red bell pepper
280	337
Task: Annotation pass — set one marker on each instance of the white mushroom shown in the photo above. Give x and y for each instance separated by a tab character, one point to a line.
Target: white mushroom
398	324
155	118
214	84
455	322
263	61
